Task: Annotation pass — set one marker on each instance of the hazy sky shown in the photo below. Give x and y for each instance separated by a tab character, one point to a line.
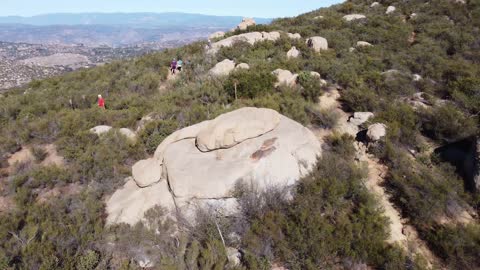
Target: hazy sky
251	8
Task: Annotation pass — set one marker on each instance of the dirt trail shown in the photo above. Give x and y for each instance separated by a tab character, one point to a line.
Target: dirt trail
401	233
162	87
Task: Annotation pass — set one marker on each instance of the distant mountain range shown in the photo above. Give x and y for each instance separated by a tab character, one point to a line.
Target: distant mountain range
114	29
142	20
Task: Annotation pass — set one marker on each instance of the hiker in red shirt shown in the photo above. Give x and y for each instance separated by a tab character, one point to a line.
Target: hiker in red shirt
101	102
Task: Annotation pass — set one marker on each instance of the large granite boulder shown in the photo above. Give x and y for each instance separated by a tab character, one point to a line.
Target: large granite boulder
256	146
317	43
223	68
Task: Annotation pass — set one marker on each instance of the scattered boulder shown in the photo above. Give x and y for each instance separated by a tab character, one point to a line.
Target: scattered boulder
242	66
233	256
317	75
294	36
130	134
360	118
293	53
374	4
218	34
363	44
390	9
413	15
351	49
257	146
246	22
232	128
285	77
376	132
99	130
318	17
144	121
223	68
354	17
416	77
317	43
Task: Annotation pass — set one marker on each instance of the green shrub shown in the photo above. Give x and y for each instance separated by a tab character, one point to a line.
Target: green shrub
311	87
249	83
155	132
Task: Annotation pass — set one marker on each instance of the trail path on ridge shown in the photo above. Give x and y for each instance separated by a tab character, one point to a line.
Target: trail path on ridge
401	233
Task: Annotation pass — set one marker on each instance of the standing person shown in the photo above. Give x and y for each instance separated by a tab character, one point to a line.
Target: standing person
179	65
173	66
101	102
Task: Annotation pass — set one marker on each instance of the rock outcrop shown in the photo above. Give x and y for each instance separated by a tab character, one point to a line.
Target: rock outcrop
293	53
359	118
222	68
256	146
250	38
218	34
130	134
246	22
353	17
317	43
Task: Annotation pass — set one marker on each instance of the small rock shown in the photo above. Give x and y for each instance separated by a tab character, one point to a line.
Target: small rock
128	133
351	49
285	77
416	77
390	9
99	130
376	132
242	66
360	118
293	53
294	36
374	4
233	256
318	17
363	44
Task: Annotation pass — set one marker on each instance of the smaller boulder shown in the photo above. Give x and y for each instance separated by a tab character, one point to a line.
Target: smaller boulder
318	17
242	66
416	77
317	75
99	130
272	36
354	17
413	15
363	44
390	9
128	133
246	22
360	118
351	49
218	34
285	77
233	256
376	131
223	68
374	4
294	36
293	53
317	43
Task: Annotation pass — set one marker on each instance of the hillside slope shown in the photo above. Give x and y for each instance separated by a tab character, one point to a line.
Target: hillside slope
419	77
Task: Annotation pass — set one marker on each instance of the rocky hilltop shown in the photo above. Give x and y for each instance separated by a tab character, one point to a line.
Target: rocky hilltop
343	138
